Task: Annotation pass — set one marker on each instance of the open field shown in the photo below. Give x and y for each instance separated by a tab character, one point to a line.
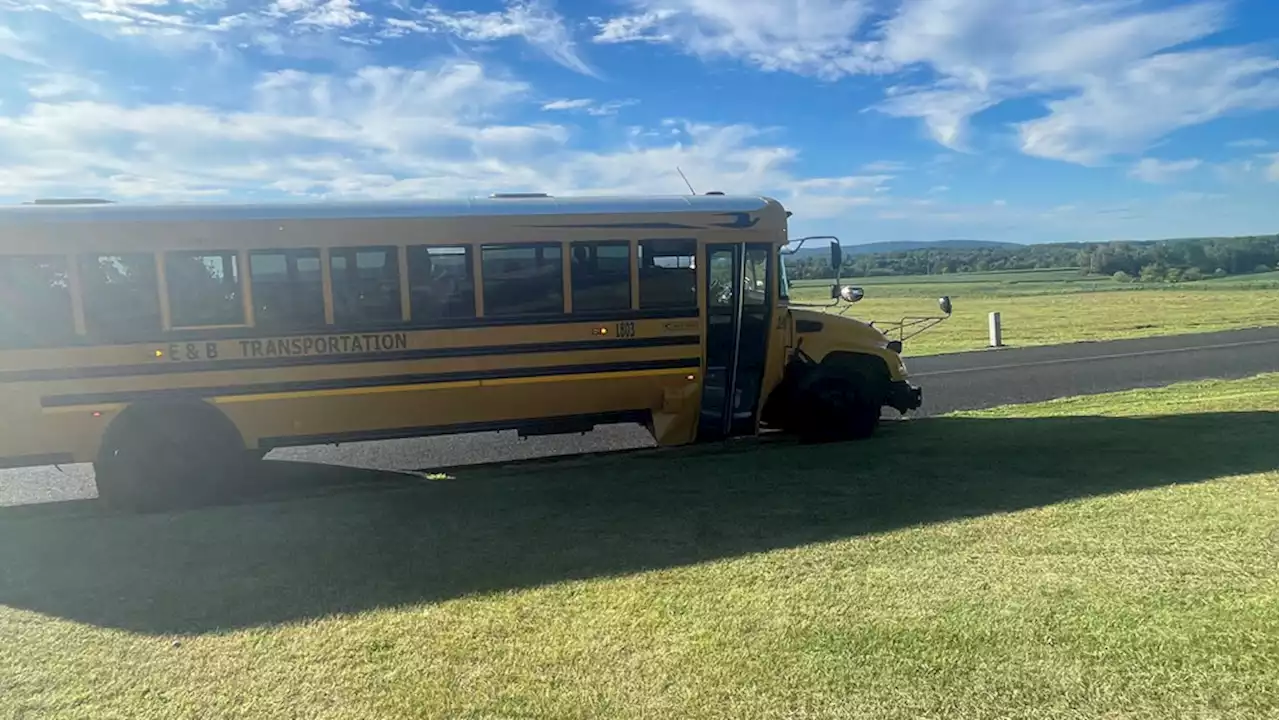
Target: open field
1043	307
1112	555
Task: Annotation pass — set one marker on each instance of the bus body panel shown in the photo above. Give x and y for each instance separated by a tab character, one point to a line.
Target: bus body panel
397	379
565	370
424	378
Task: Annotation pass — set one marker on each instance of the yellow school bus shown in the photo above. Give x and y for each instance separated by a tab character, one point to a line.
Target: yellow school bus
167	344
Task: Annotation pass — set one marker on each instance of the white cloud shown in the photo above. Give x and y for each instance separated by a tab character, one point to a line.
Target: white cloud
15	48
809	37
610	107
395	121
382	132
1119	94
1117	81
140	15
321	13
1149	99
1153	170
884	166
1272	171
576	104
533	20
46	86
945	109
172	26
1249	143
643	27
831	197
588	106
983	43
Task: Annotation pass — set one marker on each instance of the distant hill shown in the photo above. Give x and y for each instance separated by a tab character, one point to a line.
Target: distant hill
814	250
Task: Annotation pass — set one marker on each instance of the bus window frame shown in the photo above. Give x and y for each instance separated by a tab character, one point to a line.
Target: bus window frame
322	255
628	257
391	253
697	301
469	252
559	246
242	283
70	272
95	336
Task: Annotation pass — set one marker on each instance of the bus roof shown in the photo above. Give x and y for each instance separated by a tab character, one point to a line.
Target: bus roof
357	210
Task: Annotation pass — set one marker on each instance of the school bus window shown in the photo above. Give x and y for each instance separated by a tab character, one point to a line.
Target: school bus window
204	288
601	276
667	275
121	295
522	279
440	284
35	301
288	292
366	285
720	277
755	283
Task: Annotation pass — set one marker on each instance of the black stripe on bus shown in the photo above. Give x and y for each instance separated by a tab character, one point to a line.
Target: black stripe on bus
164	367
466	323
128	396
561	423
596	316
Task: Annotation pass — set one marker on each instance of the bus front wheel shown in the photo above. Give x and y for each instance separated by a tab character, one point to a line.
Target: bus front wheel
837	408
164	457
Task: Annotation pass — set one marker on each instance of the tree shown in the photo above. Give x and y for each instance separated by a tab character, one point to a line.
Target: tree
1152	272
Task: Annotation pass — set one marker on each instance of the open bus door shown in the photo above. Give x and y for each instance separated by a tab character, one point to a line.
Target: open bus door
739	311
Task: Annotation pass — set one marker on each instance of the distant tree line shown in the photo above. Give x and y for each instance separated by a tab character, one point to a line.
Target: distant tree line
1154	261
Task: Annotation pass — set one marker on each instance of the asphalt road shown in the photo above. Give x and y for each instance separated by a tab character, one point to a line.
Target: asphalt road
963	381
969	381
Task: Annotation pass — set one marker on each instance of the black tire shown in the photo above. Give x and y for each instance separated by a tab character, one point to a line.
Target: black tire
166	457
835	409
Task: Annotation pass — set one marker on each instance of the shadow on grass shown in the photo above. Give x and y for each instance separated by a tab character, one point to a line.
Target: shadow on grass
415	540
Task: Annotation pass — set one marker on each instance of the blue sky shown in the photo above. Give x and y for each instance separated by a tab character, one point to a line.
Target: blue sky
1022	120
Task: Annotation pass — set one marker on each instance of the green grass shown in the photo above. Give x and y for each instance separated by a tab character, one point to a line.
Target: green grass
1044	307
1108	556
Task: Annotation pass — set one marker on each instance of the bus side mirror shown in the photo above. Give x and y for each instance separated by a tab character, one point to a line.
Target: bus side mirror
837	255
944	304
851	294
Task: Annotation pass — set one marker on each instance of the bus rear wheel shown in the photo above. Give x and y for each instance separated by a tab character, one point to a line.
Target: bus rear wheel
156	458
835	409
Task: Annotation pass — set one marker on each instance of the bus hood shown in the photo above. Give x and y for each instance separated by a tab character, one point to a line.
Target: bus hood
848	330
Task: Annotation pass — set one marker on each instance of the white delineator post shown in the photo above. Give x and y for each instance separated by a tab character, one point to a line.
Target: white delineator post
993	329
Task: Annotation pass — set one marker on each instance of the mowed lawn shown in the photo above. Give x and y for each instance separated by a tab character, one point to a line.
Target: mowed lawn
1109	556
1046	307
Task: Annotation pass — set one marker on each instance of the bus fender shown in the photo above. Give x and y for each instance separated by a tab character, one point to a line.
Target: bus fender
202	419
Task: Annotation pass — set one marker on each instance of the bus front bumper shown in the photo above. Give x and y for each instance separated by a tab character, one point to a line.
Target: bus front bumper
903	396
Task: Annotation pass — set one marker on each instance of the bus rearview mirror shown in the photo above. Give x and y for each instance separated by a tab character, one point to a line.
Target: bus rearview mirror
837	255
